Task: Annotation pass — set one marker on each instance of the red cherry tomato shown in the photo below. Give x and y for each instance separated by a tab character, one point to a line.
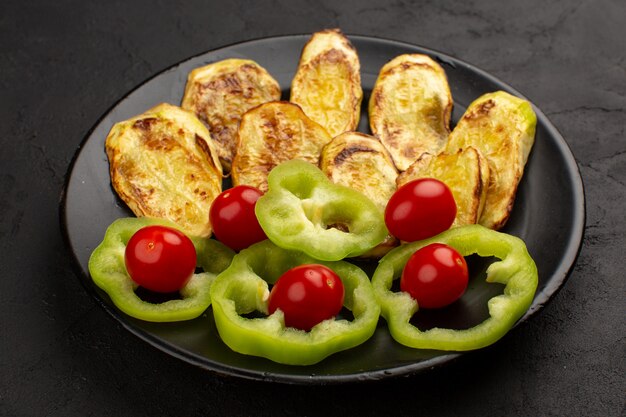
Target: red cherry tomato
420	209
160	258
233	220
307	295
435	276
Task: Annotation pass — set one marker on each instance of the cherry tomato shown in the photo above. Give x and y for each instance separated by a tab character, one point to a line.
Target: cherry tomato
435	276
420	209
307	295
233	220
160	258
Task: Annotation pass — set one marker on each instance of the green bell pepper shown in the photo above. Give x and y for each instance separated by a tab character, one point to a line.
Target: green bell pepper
243	289
108	271
515	269
303	210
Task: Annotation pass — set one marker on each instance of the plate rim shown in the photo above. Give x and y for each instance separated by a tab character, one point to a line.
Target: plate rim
541	299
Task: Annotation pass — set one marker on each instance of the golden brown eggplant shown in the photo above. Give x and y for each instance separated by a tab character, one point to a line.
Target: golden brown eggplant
410	107
273	133
163	164
221	92
327	84
502	128
361	162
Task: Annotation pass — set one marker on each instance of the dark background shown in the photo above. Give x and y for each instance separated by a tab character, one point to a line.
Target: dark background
63	64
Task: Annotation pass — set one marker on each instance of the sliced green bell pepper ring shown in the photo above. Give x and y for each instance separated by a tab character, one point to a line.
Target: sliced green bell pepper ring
303	210
515	269
243	289
108	271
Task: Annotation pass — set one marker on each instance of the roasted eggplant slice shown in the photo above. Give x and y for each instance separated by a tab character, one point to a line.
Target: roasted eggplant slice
163	164
502	128
273	133
361	162
327	84
410	107
465	172
221	92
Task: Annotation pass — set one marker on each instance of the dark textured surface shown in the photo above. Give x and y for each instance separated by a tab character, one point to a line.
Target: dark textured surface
65	63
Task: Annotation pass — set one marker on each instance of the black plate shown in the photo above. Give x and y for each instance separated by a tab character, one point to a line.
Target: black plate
548	215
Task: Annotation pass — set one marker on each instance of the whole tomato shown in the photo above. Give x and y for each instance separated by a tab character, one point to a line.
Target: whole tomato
160	259
307	295
435	276
233	220
420	209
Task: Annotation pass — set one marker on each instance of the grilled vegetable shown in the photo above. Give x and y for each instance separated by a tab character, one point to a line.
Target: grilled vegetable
327	84
361	162
221	92
163	165
502	128
273	133
465	172
410	106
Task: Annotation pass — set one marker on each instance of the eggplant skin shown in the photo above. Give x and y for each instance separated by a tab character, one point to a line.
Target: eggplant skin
221	92
465	172
361	162
410	107
327	83
163	165
272	133
502	127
